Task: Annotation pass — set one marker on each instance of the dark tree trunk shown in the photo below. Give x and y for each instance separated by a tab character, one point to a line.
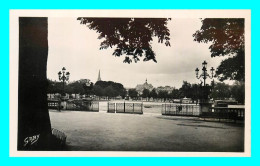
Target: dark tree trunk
34	128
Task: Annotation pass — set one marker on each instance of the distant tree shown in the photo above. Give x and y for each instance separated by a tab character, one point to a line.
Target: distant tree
77	87
51	86
98	90
146	93
163	94
133	93
118	88
68	89
110	91
175	94
123	93
238	92
54	87
221	91
185	90
195	92
88	88
226	36
130	36
153	93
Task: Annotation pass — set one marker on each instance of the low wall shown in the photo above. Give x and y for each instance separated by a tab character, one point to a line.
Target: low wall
132	108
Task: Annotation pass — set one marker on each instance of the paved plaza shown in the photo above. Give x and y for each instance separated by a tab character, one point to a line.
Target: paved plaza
101	131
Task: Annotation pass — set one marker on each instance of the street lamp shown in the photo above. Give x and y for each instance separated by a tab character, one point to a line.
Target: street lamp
63	76
205	89
204	73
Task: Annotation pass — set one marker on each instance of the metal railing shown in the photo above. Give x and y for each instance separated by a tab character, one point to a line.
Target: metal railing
54	104
81	105
132	108
225	113
214	112
111	107
183	110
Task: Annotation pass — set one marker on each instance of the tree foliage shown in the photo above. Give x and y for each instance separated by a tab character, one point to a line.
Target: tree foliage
132	93
195	92
153	93
110	91
101	88
77	87
221	91
185	90
238	92
130	36
163	94
54	87
109	88
232	68
226	36
188	90
98	90
175	94
146	93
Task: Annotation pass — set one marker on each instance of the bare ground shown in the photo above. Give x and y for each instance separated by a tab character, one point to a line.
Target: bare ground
101	131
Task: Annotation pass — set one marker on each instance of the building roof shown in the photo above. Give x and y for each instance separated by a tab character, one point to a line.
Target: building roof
141	87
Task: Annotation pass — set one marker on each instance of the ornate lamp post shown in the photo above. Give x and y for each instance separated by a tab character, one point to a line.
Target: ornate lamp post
63	77
205	89
204	75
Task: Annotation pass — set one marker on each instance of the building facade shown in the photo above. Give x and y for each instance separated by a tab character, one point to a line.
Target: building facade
140	87
168	89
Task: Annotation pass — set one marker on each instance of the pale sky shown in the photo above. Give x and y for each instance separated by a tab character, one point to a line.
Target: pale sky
75	47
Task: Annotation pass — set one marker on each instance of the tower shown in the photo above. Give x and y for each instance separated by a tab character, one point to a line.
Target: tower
99	78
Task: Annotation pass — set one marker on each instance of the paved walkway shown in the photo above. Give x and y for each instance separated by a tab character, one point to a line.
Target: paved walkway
101	131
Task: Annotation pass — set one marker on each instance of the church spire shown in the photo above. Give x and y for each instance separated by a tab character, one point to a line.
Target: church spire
99	78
